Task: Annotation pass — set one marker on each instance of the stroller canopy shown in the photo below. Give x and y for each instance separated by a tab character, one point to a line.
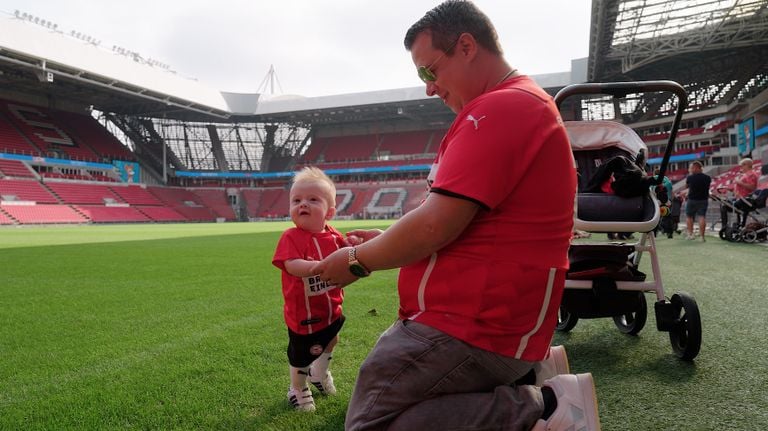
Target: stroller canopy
596	135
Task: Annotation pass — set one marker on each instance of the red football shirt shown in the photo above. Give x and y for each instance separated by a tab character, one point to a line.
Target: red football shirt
310	304
498	286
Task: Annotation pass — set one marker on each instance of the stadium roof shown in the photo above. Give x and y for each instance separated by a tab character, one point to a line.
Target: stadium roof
717	49
67	67
44	63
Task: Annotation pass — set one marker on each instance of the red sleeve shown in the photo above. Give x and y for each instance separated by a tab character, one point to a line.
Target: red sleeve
287	249
496	140
753	178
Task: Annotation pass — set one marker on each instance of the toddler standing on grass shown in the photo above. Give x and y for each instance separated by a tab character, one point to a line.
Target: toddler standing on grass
312	308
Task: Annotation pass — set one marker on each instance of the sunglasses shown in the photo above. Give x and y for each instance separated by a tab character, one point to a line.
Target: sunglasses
425	72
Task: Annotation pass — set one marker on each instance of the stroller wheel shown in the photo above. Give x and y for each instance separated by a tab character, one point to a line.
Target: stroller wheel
749	236
730	233
685	335
565	320
632	323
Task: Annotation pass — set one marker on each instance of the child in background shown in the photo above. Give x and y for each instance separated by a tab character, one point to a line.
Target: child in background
312	308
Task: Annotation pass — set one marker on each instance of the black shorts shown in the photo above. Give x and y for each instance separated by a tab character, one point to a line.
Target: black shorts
304	349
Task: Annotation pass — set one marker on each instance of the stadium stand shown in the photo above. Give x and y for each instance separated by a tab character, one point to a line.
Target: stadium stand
360	147
725	180
41	129
111	214
11	140
183	202
252	200
362	151
43	214
199	214
270	201
217	201
174	196
25	190
15	168
60	175
83	193
416	160
408	143
361	195
86	129
135	195
162	214
4	218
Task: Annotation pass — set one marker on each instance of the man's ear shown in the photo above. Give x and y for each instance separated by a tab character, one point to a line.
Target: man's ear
467	45
331	212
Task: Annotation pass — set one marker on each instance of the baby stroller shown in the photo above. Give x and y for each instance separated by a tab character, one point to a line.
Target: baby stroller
744	209
604	280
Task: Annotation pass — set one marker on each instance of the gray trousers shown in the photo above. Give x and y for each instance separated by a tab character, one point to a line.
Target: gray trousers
418	378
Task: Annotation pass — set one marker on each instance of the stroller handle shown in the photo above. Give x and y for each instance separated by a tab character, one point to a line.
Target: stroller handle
622	89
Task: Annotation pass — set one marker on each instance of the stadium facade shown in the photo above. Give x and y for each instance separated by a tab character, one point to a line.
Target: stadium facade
93	134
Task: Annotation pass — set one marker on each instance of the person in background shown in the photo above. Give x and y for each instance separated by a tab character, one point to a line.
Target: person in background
698	199
663	193
482	260
746	182
667	184
312	307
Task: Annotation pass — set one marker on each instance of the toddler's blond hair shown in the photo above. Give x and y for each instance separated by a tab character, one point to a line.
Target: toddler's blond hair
313	174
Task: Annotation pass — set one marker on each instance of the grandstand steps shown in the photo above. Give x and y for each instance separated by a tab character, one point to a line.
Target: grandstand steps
6	218
161	214
44	214
379	142
270	201
360	199
217	201
82	213
251	201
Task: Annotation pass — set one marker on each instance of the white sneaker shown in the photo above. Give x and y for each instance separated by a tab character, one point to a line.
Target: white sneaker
554	364
576	404
301	400
324	385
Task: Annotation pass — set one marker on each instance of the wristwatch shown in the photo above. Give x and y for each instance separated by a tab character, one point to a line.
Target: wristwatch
355	267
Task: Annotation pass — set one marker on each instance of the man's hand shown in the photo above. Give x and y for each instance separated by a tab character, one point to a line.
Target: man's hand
334	269
359	236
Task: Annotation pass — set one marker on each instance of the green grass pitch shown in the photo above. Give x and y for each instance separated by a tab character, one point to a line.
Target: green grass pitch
179	327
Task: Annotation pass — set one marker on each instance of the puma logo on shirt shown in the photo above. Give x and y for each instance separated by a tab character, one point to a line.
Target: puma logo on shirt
472	118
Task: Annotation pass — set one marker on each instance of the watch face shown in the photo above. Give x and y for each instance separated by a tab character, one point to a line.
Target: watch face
358	270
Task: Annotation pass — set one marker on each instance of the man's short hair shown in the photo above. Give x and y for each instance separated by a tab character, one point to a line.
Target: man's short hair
745	161
447	21
313	174
697	163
